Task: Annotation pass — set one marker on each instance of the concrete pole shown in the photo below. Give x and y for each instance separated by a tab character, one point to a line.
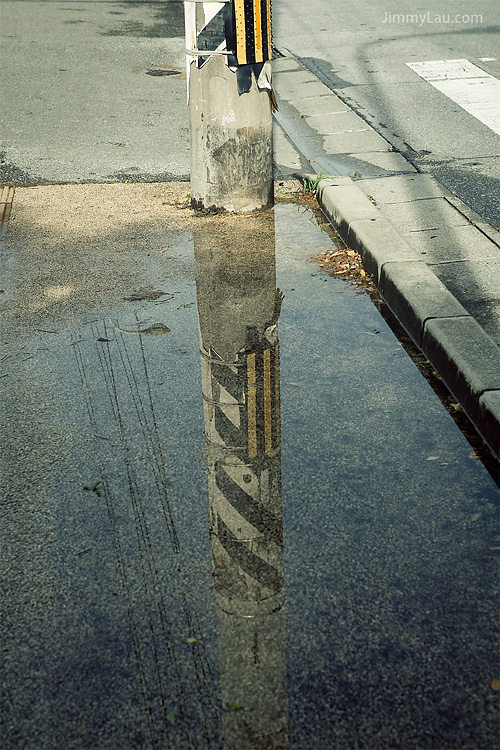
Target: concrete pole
229	105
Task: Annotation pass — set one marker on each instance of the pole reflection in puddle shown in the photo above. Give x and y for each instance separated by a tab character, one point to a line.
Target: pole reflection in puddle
238	310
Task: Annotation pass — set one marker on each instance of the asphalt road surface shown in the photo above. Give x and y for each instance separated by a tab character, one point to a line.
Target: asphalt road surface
363	51
81	100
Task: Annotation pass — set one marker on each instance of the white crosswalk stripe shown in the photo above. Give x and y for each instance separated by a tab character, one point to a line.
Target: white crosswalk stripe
476	91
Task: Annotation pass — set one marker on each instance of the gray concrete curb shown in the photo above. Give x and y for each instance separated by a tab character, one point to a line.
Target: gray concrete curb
466	358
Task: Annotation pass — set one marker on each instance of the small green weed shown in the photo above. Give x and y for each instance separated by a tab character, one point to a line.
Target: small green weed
309	186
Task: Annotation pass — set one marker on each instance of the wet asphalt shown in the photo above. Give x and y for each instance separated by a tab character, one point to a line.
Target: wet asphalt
234	513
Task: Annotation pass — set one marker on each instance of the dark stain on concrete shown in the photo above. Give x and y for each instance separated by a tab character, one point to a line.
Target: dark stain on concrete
170	22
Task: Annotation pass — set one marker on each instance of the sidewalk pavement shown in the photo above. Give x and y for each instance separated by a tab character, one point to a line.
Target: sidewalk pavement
434	260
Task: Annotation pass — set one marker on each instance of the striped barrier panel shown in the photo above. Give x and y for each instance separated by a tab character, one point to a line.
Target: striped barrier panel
238	29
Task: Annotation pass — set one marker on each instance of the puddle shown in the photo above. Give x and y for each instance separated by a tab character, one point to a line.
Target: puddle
235	515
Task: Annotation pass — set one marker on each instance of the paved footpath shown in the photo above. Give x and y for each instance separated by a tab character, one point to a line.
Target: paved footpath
435	261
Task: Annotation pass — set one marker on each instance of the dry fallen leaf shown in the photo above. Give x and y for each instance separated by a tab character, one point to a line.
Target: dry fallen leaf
495	684
219	561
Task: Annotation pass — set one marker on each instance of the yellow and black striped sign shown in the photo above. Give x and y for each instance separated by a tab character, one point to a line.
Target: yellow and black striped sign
253	31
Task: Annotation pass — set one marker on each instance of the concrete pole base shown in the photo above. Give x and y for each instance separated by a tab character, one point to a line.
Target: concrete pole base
231	141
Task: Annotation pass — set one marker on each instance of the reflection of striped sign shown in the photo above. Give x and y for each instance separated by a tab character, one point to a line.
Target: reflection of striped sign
242	418
253	31
245	402
250	535
263	398
247	532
